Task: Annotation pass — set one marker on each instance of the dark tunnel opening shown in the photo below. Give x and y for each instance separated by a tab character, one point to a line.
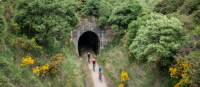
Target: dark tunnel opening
88	41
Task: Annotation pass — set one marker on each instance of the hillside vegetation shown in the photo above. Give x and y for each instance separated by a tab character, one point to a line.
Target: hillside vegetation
156	41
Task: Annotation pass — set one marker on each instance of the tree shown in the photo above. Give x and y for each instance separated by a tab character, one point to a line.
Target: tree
1	25
104	13
123	14
91	7
155	38
168	6
190	6
49	21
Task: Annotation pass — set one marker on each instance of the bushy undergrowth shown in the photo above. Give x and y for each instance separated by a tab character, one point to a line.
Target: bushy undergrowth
35	50
115	59
57	71
36	54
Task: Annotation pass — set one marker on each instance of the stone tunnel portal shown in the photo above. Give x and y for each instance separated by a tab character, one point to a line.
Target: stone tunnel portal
88	41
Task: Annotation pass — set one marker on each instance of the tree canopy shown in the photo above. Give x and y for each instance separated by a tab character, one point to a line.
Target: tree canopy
123	14
155	37
91	7
49	21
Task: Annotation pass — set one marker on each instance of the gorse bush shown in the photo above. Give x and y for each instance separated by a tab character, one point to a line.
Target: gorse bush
181	71
26	45
52	68
155	38
186	70
49	22
56	62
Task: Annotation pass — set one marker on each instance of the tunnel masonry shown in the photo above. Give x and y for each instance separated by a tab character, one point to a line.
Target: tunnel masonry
88	36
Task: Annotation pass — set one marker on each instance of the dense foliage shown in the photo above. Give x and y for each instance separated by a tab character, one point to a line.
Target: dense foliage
187	7
156	38
168	6
194	59
29	28
91	7
123	14
1	25
104	13
49	22
35	49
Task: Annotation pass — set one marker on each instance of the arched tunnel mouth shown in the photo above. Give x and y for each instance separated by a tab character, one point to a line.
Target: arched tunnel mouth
88	41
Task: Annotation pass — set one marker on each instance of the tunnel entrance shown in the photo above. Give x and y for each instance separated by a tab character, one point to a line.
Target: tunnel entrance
88	41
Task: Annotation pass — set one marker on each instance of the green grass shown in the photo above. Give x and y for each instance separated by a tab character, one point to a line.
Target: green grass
141	74
13	75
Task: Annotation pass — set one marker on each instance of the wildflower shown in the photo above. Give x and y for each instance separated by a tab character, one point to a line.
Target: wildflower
44	68
181	70
173	71
27	60
36	71
41	70
124	76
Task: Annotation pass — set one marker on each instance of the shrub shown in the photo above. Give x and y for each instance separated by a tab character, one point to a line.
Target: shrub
104	13
131	34
123	14
51	68
186	70
190	6
91	7
26	45
155	38
194	73
168	6
55	63
181	71
1	25
196	16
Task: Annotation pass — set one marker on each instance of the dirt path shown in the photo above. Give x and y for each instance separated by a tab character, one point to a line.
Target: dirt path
95	76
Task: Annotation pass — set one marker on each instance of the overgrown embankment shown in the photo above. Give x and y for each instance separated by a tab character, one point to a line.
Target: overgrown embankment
115	59
35	50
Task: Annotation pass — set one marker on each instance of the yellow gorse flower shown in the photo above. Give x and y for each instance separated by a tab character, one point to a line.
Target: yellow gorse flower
36	70
41	70
181	70
124	76
121	85
27	60
44	68
173	71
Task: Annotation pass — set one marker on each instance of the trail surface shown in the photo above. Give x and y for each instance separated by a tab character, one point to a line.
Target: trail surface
95	76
